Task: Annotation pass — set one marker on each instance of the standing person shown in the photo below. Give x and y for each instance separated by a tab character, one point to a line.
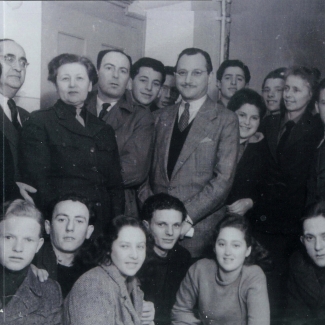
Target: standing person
133	124
168	262
250	108
316	182
12	76
195	151
110	292
232	76
65	149
24	299
291	140
229	289
169	92
272	90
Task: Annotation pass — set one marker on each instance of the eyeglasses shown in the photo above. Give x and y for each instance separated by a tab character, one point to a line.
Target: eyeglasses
11	60
194	73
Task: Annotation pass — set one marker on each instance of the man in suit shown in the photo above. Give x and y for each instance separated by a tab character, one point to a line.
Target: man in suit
195	151
133	123
13	70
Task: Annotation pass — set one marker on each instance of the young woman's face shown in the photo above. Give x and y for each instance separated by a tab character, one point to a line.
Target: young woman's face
231	250
129	250
296	94
249	121
273	93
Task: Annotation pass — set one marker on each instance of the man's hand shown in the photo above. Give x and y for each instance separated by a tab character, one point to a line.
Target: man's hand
24	189
148	313
241	206
41	274
185	229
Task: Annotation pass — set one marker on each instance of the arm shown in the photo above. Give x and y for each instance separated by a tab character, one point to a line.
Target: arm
214	193
187	295
52	294
258	307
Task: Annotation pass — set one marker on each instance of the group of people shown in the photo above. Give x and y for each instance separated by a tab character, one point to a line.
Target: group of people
162	206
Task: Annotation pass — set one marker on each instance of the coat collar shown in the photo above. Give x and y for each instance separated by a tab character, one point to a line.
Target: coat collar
8	129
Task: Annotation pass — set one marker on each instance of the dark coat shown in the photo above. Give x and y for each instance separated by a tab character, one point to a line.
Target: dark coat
35	303
59	155
284	185
134	129
9	155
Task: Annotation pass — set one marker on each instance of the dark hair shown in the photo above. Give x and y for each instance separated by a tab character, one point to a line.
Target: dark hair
275	74
194	51
259	255
103	244
66	58
149	63
22	208
102	53
170	70
75	198
233	63
314	211
6	39
320	87
161	201
247	96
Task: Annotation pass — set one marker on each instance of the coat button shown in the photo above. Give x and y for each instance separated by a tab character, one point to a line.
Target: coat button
92	149
94	169
98	204
263	218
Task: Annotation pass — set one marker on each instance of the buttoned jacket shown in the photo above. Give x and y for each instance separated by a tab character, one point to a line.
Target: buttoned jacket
35	303
204	172
100	297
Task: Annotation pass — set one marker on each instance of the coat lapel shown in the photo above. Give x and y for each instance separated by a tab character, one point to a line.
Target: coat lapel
8	129
200	129
272	134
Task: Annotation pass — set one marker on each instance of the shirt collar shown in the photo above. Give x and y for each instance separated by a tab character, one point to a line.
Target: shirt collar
100	103
194	107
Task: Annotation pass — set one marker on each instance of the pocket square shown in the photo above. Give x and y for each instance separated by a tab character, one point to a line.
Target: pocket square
206	140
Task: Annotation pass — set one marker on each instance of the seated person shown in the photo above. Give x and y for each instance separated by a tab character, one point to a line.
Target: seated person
250	108
167	264
169	92
24	299
232	76
70	223
148	75
227	289
306	285
316	182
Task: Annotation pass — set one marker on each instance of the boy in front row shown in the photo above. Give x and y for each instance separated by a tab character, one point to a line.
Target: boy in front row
24	299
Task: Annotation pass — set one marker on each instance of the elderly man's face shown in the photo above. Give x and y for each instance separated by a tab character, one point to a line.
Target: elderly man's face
13	74
192	78
314	239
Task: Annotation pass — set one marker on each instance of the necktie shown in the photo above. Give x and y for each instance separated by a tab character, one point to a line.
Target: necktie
183	121
279	150
103	112
14	113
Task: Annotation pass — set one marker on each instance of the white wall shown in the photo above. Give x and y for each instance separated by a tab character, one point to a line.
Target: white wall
22	22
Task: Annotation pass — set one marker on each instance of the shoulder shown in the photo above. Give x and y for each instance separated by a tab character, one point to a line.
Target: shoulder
42	115
252	274
181	251
203	268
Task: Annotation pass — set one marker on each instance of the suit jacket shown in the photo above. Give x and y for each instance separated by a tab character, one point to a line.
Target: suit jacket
100	297
59	156
134	129
285	183
35	303
9	157
204	172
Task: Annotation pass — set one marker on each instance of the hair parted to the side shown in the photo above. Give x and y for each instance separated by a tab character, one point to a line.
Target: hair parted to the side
22	208
102	53
233	63
66	58
148	63
313	211
247	96
103	244
161	201
194	51
259	255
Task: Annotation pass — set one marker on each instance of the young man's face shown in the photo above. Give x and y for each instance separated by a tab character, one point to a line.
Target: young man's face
19	242
169	93
165	227
70	226
146	85
233	79
320	105
314	239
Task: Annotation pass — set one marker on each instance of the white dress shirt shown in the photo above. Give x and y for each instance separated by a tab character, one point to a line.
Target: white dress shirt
6	109
194	108
99	105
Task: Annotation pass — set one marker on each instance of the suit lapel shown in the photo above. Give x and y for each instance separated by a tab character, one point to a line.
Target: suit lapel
23	114
272	134
200	129
8	129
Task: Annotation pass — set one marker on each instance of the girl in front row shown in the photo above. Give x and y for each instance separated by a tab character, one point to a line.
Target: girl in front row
228	289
